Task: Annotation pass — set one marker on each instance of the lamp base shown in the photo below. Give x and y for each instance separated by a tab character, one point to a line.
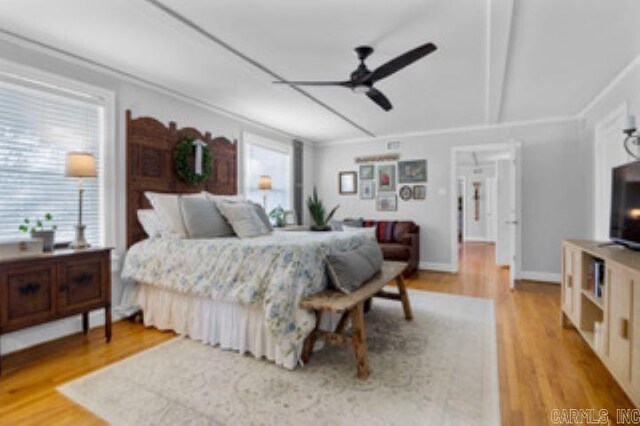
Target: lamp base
80	242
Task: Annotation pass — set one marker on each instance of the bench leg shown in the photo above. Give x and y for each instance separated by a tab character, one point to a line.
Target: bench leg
404	298
310	341
359	339
342	324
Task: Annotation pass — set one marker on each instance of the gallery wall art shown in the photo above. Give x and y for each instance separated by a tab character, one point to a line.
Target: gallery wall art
412	171
387	178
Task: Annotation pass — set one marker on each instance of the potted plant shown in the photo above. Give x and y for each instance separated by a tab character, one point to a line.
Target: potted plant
316	208
278	215
44	229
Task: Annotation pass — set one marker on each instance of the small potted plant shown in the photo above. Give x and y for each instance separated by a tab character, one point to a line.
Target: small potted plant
318	213
44	229
278	215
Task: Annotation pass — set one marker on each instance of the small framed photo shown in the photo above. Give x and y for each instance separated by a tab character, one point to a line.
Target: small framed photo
419	192
367	189
347	183
406	193
412	171
367	172
387	178
387	203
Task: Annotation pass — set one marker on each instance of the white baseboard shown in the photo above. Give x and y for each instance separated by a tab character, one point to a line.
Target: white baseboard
22	339
436	266
477	240
550	277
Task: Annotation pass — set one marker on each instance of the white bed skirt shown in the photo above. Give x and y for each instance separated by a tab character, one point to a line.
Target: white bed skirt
225	324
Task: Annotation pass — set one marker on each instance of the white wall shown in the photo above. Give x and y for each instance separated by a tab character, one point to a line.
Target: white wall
143	102
476	230
555	197
623	90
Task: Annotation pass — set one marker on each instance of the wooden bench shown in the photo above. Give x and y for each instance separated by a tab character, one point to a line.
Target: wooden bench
351	306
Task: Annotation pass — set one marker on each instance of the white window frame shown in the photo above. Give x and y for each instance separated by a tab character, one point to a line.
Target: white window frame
251	138
33	78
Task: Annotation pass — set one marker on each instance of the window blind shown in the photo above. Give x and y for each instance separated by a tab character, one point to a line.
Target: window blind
37	129
261	160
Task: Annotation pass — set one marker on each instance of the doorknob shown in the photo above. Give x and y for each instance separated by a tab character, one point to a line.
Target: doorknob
511	222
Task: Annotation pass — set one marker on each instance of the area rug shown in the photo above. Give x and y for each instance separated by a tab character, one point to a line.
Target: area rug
439	369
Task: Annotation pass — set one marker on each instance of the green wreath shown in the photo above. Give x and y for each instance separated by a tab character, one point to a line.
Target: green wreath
184	151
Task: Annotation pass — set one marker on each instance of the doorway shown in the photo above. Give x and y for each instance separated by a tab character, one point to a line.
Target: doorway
486	202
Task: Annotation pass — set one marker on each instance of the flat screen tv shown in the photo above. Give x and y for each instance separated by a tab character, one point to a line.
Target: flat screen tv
624	227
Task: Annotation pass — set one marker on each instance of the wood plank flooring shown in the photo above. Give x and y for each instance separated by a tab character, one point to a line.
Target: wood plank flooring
542	366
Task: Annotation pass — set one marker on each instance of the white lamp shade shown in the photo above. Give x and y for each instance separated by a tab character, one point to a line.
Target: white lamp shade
265	183
80	164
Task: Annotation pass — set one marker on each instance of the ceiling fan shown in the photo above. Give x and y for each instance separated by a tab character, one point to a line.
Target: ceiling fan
362	80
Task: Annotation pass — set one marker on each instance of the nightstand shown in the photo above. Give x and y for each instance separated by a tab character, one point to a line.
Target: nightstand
50	286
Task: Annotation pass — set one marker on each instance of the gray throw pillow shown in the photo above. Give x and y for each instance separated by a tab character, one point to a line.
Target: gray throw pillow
243	219
354	222
349	270
263	216
202	219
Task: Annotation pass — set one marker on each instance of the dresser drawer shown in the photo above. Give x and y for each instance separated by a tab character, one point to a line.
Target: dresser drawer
82	284
26	296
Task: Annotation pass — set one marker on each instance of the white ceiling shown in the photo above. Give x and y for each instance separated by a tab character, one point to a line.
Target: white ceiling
538	58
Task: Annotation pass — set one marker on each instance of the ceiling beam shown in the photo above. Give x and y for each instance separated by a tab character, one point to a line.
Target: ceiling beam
187	22
499	33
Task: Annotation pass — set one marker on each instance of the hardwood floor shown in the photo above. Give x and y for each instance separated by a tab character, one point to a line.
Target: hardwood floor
542	366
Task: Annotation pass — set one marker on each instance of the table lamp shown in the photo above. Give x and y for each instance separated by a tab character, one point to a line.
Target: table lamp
264	185
80	165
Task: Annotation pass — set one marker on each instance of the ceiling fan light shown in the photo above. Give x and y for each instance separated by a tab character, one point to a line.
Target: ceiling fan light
361	89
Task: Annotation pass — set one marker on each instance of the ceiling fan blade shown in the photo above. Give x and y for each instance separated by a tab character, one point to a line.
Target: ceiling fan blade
400	62
315	83
376	96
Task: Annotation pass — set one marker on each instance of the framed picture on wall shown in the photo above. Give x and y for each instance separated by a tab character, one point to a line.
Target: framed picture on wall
367	189
406	193
367	172
419	192
412	171
387	202
347	183
387	178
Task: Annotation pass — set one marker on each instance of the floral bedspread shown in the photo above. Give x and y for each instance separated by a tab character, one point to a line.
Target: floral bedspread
274	271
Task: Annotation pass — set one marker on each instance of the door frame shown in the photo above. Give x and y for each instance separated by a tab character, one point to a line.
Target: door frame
512	145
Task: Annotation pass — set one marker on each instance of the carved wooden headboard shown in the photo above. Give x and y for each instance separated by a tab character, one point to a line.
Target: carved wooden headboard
150	166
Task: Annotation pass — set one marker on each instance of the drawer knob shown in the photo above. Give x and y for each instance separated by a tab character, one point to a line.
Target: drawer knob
83	278
32	287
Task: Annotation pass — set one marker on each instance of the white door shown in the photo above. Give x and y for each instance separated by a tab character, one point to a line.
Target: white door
490	205
503	205
515	203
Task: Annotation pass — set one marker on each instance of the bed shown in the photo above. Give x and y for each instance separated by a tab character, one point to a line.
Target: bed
239	294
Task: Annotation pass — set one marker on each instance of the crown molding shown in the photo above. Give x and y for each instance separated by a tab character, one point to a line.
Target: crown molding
452	130
67	56
621	75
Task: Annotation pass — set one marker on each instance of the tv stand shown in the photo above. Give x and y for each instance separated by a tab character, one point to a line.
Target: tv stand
609	318
618	244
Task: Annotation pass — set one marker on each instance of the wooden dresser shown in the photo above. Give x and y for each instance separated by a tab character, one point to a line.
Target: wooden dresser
607	317
50	286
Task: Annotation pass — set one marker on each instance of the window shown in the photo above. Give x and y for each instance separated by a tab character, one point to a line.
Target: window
37	129
264	157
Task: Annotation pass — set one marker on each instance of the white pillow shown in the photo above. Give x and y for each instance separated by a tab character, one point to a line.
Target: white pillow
243	219
167	207
369	232
150	222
